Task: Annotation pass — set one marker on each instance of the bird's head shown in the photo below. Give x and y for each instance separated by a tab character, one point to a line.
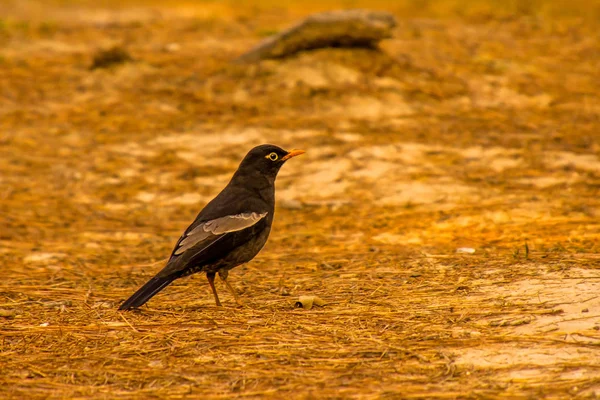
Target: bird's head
266	160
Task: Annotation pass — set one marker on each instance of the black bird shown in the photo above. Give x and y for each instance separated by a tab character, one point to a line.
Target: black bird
229	231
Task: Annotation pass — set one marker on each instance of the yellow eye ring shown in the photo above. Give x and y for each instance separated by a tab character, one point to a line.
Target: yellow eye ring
272	157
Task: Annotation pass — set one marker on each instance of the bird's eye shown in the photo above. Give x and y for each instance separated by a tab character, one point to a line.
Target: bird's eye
273	157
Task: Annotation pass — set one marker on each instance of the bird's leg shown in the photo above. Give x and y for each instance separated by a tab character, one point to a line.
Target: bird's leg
211	280
223	275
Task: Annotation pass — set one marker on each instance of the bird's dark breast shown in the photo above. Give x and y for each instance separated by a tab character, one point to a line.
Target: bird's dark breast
234	249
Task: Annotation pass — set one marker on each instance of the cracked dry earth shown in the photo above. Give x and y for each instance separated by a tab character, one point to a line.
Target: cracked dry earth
460	135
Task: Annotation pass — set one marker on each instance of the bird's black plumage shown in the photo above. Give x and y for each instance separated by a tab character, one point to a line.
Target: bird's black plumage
230	230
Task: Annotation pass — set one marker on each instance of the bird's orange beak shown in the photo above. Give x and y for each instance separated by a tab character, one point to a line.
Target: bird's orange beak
292	153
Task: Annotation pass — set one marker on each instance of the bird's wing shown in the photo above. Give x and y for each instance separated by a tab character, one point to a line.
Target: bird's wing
195	242
208	232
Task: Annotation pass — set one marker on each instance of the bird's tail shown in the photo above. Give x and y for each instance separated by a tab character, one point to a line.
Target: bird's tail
146	292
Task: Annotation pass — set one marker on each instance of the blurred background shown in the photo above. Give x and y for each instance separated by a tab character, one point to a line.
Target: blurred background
446	209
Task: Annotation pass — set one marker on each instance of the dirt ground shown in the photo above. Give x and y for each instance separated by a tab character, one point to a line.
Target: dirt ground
447	209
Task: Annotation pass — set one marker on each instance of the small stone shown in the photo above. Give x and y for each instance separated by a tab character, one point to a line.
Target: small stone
43	257
110	57
172	47
465	250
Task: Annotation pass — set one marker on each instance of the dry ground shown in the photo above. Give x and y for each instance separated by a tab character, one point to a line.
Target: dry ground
477	127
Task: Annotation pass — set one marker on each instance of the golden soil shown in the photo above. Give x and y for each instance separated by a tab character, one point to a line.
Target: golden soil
476	127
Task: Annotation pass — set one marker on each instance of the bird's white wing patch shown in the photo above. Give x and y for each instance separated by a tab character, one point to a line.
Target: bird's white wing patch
217	227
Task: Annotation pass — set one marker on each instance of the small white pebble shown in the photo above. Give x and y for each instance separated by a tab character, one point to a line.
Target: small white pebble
45	324
466	250
173	47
